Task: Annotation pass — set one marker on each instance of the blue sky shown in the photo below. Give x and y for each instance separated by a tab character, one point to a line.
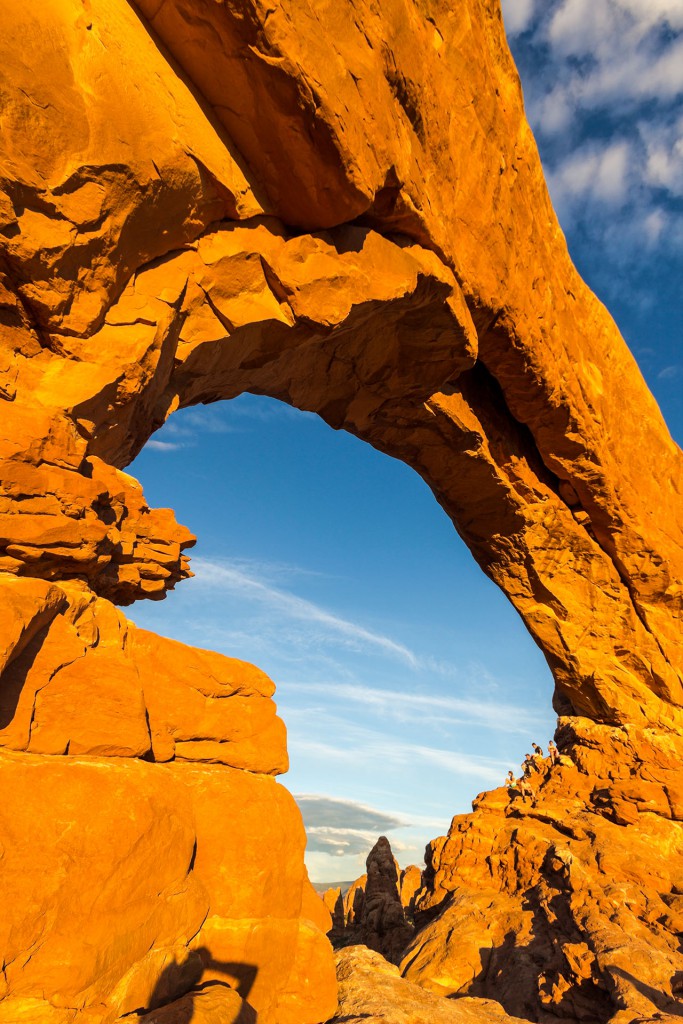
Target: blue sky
407	682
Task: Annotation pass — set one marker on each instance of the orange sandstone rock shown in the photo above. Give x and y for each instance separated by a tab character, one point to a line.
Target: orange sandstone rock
371	991
84	686
531	901
345	210
93	912
410	884
217	1004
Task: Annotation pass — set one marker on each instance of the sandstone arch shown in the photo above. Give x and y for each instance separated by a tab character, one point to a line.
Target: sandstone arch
347	213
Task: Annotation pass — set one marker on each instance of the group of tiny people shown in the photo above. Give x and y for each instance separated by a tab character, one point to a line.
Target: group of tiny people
532	763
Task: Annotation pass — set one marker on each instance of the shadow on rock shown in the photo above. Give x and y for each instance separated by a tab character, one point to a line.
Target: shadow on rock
180	996
551	971
665	1003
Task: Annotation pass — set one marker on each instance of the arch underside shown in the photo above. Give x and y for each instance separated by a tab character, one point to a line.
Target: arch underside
333	214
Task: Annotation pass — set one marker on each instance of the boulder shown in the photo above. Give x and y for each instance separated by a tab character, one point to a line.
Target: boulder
372	991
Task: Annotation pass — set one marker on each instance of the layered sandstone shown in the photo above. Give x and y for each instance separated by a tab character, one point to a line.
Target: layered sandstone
567	905
341	207
146	844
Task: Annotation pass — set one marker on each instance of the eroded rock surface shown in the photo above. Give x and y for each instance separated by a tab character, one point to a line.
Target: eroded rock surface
372	991
377	909
341	207
569	905
139	856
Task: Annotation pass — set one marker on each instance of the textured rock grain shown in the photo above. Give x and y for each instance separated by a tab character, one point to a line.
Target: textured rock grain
342	207
372	991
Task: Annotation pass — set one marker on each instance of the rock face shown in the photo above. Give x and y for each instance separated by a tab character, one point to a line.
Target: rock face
568	905
341	207
409	886
372	991
138	856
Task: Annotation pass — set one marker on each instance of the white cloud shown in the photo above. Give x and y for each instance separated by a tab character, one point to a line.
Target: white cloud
642	73
650	12
341	827
329	812
163	446
226	417
191	422
576	25
603	82
610	172
348	829
236	579
607	56
517	15
586	28
339	842
555	111
654	224
664	155
597	172
662	77
377	752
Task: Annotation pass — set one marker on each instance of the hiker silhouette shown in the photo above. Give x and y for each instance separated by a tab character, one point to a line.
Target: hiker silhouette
180	984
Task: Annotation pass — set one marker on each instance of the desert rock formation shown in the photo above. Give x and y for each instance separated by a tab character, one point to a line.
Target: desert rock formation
145	842
341	207
377	909
569	905
372	991
409	886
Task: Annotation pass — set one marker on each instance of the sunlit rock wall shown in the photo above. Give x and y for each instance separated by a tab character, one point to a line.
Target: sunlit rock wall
340	206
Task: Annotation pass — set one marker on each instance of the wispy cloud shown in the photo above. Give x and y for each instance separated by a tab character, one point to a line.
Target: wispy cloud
622	51
228	417
235	579
518	15
271	571
404	705
599	171
603	84
196	421
383	753
345	827
663	142
339	842
342	842
163	446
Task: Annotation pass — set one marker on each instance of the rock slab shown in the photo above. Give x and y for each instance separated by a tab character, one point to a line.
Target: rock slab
372	991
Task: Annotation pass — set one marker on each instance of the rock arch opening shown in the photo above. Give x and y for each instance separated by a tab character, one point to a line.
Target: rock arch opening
405	679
